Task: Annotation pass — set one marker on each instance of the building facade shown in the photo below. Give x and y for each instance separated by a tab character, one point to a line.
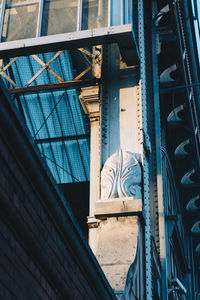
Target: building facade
109	91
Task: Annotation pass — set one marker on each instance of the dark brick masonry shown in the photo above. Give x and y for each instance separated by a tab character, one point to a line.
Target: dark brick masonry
43	253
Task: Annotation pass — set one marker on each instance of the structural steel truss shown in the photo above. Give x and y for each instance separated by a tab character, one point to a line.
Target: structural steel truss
46	66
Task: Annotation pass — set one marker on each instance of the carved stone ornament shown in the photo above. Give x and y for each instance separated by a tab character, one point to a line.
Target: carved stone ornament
121	176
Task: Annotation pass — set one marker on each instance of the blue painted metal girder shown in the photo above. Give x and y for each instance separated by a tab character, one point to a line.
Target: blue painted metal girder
146	178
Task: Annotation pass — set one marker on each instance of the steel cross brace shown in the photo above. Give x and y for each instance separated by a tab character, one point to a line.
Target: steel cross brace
2	73
45	66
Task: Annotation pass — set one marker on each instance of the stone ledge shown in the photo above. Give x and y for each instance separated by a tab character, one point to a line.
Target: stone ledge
118	207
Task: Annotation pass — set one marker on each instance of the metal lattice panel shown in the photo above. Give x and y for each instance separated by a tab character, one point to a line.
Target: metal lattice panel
54	117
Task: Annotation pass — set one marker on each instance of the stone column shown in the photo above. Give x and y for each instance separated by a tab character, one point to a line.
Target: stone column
116	171
90	100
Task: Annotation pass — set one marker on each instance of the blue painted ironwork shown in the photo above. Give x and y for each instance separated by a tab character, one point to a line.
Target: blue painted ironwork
189	74
146	178
161	212
53	115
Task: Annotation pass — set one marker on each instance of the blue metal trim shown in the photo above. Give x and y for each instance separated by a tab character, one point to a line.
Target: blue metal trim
146	177
161	214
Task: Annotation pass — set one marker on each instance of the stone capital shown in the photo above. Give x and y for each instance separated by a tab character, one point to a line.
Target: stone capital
90	101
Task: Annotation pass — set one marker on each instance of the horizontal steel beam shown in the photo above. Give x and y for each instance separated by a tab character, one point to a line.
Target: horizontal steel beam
62	138
54	86
64	41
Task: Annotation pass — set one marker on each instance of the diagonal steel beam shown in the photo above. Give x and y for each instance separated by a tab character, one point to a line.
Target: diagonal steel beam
82	73
86	52
10	63
45	66
5	68
8	79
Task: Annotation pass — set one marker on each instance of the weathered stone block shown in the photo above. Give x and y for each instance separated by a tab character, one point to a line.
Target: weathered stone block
116	247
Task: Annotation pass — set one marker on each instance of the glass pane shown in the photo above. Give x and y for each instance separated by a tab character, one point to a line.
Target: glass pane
59	16
115	12
20	20
95	14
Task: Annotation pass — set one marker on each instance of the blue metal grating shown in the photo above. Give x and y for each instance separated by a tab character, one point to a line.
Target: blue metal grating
55	118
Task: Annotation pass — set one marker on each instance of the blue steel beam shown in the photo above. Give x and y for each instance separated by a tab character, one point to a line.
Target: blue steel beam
161	213
146	176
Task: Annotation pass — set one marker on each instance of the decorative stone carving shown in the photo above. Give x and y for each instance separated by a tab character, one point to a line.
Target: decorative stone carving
121	176
90	100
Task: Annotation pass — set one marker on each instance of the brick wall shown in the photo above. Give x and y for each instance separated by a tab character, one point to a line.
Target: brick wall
40	254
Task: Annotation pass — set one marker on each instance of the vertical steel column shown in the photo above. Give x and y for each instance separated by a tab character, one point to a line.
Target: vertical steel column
79	15
3	7
39	21
161	215
146	176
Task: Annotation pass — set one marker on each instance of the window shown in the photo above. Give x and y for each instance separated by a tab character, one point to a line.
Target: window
23	19
20	20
